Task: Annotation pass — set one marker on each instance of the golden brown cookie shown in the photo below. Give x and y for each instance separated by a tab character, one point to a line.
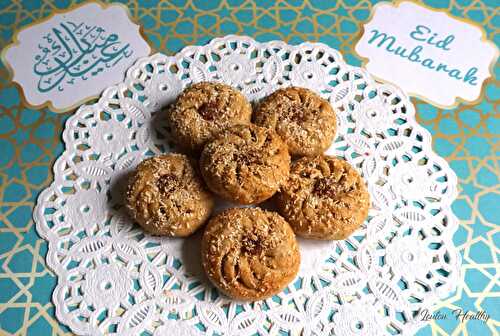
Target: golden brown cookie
245	164
304	120
203	110
166	196
249	253
324	198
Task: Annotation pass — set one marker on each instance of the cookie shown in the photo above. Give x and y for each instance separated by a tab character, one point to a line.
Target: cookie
166	196
203	110
324	198
304	120
245	164
249	253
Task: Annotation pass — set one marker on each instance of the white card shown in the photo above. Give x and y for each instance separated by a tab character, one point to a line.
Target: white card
73	56
427	53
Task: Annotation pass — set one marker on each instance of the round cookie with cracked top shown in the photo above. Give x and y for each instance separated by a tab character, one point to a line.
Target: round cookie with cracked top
245	164
324	198
304	120
167	196
203	110
249	253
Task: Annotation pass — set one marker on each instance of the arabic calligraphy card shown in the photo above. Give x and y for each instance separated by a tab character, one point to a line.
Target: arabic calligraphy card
72	56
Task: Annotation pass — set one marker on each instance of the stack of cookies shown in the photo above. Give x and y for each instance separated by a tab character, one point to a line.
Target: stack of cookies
247	158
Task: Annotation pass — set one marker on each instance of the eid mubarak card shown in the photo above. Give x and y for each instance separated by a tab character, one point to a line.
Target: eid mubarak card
72	56
428	53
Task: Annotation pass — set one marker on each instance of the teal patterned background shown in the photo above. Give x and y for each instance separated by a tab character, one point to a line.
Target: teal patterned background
30	141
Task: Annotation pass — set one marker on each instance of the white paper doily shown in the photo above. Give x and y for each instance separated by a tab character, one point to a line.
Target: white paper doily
114	279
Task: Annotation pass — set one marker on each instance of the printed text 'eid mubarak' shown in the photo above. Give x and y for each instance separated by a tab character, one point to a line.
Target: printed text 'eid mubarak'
426	37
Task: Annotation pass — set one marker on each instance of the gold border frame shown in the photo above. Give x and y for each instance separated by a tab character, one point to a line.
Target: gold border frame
458	100
48	103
